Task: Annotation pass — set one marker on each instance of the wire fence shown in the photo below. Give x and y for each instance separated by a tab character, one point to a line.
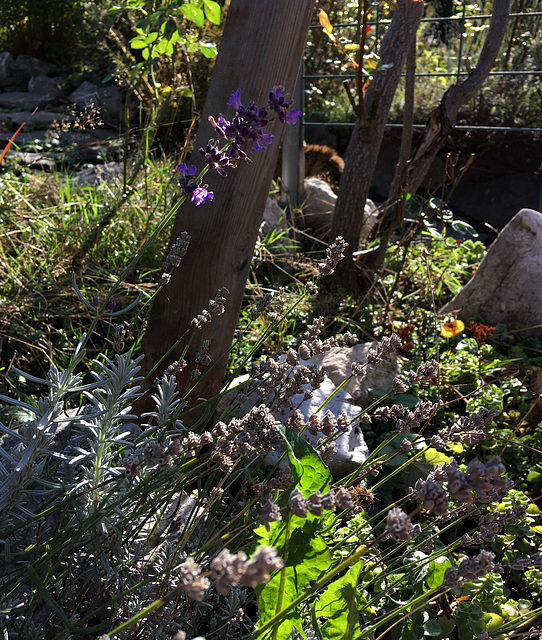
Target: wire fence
517	63
531	19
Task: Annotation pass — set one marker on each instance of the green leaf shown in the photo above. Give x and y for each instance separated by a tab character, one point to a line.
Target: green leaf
194	14
308	471
432	628
435	572
306	557
338	605
208	49
304	552
534	476
212	11
46	596
464	229
138	43
434	457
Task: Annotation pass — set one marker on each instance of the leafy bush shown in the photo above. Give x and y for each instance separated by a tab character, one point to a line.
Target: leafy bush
50	29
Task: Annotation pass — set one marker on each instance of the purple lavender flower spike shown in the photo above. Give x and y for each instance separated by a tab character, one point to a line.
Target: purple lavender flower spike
197	192
187	171
263	142
214	157
201	195
277	101
235	100
292	116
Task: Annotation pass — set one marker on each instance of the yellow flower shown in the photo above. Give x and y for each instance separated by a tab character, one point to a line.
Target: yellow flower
452	328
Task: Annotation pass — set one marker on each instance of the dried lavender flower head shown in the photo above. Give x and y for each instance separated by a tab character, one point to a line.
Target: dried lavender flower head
399	526
258	569
334	254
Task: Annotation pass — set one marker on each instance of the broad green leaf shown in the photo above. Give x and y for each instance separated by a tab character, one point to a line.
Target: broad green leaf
212	11
138	43
464	229
208	49
338	605
308	471
434	457
435	572
305	557
194	14
456	447
432	628
534	476
303	551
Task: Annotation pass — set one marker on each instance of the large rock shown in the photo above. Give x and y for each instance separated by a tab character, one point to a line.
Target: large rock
107	172
44	84
350	447
24	100
37	120
506	287
274	218
108	101
26	66
6	65
316	215
338	366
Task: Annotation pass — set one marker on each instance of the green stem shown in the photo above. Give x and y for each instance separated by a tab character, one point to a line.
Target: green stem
282	578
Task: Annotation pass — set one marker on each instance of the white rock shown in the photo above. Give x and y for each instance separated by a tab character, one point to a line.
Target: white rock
316	214
506	287
338	366
350	447
274	218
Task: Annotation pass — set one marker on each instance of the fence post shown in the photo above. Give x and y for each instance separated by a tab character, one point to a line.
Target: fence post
293	156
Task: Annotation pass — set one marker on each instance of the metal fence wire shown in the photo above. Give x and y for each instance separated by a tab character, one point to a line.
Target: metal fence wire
448	43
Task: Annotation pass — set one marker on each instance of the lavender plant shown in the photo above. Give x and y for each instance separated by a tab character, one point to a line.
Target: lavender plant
234	526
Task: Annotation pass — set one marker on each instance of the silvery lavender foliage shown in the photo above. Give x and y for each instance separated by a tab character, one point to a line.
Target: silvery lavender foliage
64	460
27	451
101	428
168	405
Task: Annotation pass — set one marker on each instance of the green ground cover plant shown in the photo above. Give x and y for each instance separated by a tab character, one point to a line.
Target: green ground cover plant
122	526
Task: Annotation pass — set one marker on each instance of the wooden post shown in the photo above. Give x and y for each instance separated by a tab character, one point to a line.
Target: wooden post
262	46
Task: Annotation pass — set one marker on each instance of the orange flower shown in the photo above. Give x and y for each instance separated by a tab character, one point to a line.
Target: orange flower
452	328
